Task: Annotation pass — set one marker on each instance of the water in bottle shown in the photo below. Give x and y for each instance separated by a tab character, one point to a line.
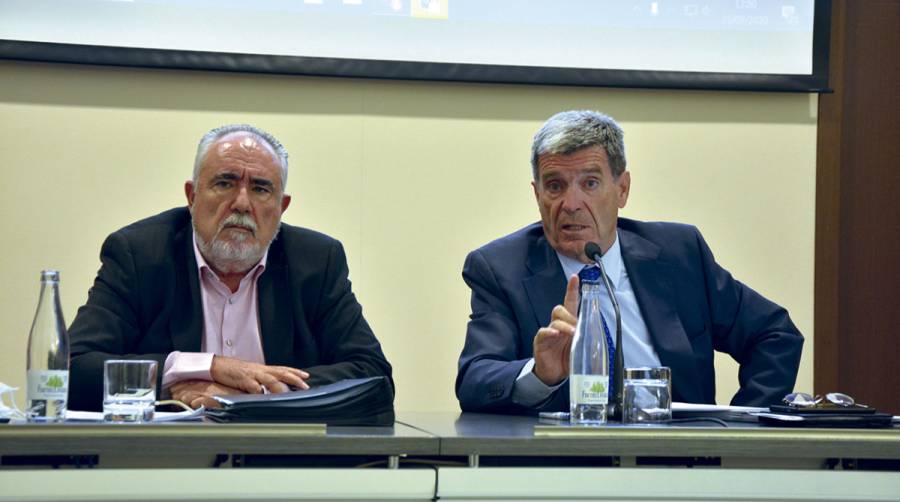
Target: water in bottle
48	356
589	368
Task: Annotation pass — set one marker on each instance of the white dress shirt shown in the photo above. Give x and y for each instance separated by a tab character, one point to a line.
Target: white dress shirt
530	391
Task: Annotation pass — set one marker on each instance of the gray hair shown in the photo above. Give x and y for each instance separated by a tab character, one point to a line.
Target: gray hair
570	131
214	135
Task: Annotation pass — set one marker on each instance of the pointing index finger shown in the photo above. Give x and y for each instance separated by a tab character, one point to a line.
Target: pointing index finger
571	300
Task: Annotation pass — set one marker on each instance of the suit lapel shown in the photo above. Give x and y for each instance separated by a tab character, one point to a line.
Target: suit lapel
186	323
653	286
275	313
546	287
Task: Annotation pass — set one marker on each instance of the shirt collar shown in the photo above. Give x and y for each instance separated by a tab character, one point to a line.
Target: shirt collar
253	272
612	262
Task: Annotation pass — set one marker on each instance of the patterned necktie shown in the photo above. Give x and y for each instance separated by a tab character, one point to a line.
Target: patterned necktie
592	273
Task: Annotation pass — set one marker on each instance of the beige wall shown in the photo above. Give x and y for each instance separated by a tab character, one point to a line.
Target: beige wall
409	175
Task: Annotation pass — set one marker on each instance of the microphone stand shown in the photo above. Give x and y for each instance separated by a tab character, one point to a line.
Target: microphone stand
615	409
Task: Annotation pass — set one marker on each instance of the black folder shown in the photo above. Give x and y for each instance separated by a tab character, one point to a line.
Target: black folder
360	401
856	416
818	420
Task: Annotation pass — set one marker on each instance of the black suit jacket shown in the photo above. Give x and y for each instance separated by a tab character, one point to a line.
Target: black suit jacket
145	303
691	306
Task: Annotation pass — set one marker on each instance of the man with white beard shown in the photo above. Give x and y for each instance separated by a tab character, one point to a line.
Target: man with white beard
227	298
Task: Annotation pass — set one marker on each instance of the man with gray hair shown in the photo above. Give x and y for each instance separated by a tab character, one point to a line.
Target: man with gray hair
227	298
677	304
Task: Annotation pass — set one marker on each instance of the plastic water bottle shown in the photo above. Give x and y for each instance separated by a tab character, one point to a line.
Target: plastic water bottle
589	368
48	356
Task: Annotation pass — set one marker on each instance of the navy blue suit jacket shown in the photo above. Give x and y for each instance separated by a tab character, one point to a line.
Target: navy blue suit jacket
145	303
691	305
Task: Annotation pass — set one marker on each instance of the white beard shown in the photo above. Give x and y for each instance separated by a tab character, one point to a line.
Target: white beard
234	255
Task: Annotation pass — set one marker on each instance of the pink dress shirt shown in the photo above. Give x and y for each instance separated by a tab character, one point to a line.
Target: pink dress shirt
230	325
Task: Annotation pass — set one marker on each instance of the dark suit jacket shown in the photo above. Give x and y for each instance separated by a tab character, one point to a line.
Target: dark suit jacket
145	303
691	306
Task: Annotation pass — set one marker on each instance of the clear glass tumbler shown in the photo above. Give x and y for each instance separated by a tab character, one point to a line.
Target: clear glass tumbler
647	395
129	390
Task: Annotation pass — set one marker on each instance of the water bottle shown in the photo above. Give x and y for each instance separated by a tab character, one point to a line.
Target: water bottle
48	356
589	368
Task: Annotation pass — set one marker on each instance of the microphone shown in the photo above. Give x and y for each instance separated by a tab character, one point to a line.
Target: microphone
592	250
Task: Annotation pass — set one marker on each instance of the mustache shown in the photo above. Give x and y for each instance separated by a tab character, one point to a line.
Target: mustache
242	220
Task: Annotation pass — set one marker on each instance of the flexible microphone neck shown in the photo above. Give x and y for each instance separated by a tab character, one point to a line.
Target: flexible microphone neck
592	251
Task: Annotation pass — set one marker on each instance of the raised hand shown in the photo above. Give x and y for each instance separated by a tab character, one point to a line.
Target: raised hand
553	343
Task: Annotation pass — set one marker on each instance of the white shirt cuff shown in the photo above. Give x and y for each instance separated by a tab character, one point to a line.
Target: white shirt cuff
529	390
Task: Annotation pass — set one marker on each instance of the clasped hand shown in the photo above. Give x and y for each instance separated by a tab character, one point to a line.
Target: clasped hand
233	376
553	343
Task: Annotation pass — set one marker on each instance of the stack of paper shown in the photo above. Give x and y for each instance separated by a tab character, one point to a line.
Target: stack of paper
723	412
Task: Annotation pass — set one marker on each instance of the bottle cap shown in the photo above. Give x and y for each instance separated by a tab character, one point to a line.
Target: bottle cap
589	274
50	275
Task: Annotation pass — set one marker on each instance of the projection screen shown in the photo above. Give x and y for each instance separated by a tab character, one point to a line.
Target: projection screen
778	45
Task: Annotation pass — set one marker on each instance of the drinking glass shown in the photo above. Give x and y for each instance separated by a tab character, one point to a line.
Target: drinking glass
647	395
129	390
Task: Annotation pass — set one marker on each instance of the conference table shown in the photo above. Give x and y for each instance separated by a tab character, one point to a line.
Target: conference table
446	456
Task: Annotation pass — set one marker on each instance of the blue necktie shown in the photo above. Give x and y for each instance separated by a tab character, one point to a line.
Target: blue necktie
592	273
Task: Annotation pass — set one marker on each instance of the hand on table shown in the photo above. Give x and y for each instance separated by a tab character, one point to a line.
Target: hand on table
197	393
251	377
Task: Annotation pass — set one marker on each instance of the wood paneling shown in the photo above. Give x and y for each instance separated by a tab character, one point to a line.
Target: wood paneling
857	285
